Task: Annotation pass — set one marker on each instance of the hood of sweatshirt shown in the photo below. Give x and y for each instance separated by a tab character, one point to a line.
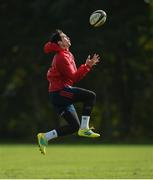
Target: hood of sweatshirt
50	47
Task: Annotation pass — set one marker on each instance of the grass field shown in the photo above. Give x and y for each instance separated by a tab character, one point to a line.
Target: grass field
76	161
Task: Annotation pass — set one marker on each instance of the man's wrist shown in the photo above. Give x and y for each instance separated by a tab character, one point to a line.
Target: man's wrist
88	65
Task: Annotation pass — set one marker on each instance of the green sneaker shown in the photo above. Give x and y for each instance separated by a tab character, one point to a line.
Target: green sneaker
42	142
88	133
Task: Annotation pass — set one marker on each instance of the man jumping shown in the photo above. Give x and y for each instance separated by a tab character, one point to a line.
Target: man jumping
61	76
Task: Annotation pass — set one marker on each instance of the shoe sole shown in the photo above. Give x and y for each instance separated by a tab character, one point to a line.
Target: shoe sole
89	136
39	145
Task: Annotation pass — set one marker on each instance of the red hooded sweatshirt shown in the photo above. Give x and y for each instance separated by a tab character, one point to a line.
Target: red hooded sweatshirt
63	71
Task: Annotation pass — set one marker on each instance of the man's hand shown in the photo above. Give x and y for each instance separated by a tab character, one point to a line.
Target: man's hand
92	61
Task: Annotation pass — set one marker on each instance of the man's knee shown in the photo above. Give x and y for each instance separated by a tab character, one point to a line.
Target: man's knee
92	96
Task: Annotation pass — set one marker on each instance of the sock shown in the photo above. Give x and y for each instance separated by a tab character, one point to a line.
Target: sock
85	122
51	135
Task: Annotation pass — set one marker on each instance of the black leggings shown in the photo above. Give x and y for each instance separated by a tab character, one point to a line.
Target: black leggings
63	101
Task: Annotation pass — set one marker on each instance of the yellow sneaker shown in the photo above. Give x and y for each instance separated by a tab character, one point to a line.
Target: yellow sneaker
88	133
42	142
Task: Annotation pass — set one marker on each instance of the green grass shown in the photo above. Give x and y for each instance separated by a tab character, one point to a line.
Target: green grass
76	161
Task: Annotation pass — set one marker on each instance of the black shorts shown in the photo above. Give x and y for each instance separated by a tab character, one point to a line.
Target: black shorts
63	99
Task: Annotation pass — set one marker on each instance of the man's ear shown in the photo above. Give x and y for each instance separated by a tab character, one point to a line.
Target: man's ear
59	43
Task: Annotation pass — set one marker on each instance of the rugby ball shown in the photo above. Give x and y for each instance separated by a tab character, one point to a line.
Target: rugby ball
98	18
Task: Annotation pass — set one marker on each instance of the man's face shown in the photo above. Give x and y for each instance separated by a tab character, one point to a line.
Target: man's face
65	41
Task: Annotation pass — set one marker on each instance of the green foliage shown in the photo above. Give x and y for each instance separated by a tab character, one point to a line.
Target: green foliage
122	80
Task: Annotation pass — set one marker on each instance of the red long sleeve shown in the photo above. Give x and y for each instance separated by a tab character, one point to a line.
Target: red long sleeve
63	71
67	68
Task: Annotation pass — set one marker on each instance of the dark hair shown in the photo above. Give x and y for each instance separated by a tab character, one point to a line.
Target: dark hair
55	37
